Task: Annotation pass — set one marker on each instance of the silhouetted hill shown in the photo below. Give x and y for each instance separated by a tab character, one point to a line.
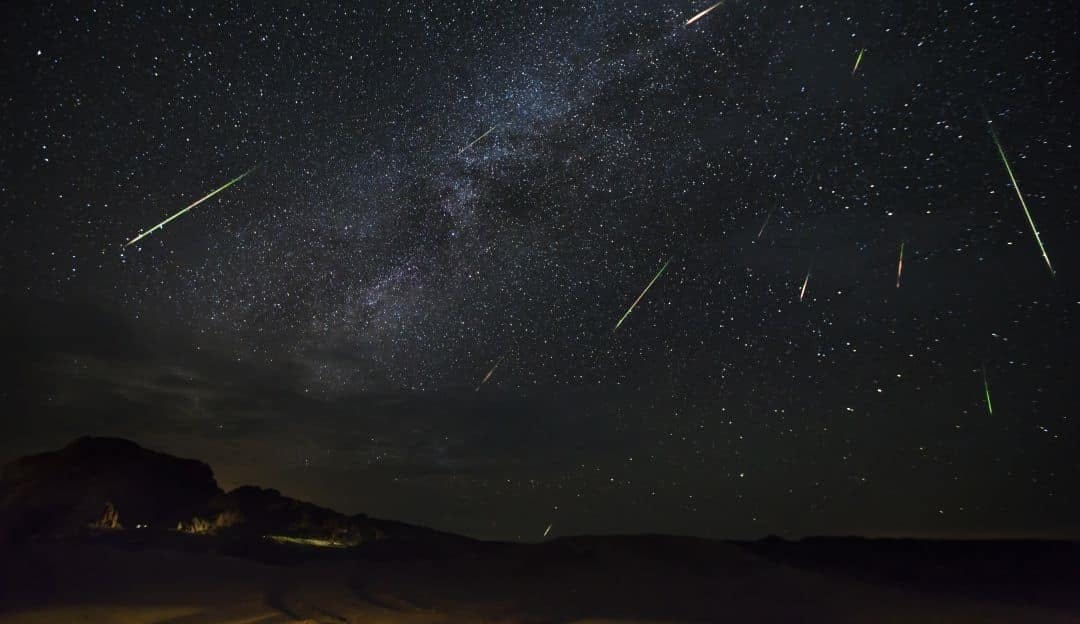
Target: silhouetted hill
103	484
61	492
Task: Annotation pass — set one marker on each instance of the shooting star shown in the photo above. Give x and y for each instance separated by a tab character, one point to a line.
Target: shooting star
547	530
762	230
633	305
476	140
208	196
802	293
858	59
1023	203
488	376
900	264
986	387
703	13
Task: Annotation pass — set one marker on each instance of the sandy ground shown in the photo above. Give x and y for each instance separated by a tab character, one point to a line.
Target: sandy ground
601	583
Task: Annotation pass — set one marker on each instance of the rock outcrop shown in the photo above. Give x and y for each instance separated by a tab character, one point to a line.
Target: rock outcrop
61	492
110	484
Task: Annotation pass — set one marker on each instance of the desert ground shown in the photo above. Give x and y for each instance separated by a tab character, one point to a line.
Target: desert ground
571	580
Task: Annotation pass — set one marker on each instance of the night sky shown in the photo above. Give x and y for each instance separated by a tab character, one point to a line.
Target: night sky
323	326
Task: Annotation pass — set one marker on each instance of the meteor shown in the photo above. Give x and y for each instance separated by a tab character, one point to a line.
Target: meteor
858	59
633	305
1023	203
702	14
900	265
477	140
762	230
208	196
488	376
986	387
547	530
802	293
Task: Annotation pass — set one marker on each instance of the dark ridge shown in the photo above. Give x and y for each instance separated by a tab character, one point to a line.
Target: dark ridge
97	485
61	492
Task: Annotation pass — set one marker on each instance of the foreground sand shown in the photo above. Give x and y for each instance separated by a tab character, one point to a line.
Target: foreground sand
594	580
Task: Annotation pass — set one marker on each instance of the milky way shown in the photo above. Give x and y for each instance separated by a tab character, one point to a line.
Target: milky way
332	314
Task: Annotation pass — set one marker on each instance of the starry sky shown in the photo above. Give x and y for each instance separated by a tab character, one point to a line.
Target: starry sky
324	325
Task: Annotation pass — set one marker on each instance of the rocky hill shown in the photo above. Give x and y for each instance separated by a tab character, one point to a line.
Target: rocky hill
103	484
109	482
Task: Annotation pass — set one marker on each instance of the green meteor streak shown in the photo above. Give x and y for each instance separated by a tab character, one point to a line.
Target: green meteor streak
633	305
208	196
986	387
858	59
1023	203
